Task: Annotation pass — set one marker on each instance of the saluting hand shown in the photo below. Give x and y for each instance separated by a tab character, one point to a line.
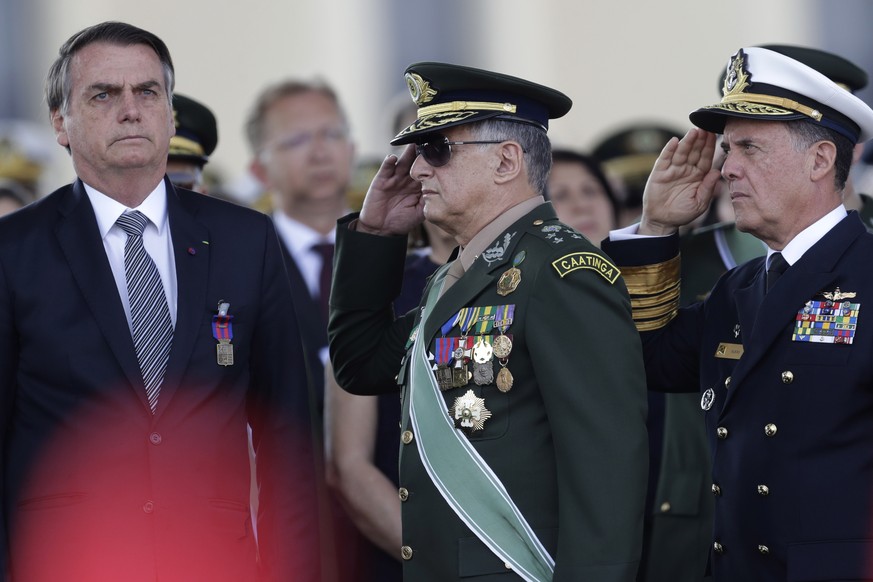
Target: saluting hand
393	204
681	184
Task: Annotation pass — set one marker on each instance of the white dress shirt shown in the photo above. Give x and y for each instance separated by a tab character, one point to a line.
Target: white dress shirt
792	252
156	239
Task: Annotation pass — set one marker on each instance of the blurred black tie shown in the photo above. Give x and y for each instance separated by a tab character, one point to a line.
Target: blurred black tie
777	266
325	251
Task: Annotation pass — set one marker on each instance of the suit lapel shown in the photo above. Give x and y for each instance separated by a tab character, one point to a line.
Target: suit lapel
192	255
79	237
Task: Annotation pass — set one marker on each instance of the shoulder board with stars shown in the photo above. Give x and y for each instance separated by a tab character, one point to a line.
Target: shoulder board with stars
555	232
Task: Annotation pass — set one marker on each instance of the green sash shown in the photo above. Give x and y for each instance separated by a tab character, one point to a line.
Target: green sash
462	477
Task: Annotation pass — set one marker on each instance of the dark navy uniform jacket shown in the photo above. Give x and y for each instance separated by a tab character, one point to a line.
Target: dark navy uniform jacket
791	424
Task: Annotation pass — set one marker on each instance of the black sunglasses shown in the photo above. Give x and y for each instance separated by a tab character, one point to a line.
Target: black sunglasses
439	151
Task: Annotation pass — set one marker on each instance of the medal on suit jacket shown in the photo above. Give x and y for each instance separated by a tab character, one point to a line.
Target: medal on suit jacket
510	279
444	349
503	345
222	330
483	371
469	412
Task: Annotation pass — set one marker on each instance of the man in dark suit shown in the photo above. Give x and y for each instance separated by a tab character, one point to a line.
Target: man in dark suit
143	327
523	429
303	156
778	351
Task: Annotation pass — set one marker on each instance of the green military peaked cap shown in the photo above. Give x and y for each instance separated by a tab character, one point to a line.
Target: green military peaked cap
449	95
196	131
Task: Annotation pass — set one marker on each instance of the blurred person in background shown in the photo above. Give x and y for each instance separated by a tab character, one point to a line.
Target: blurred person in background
627	156
582	195
303	156
195	139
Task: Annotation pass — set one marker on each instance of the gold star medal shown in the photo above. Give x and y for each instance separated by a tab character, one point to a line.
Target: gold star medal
511	278
469	412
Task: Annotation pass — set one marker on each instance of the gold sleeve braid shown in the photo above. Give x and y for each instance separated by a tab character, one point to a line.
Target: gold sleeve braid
654	293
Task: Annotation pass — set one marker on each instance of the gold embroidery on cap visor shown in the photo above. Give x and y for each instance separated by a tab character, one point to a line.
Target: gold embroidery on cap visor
181	146
434	121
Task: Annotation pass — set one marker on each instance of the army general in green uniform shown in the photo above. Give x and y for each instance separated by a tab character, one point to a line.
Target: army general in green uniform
523	448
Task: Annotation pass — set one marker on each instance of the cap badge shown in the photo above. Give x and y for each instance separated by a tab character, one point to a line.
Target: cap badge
419	89
737	79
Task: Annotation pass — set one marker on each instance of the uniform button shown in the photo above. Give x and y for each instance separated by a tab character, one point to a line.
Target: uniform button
770	429
665	507
763	549
404	494
727	382
406	553
716	490
763	490
155	438
787	377
406	437
721	432
148	507
537	222
718	548
507	565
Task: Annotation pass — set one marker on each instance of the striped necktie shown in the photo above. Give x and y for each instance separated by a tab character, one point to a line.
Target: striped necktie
149	313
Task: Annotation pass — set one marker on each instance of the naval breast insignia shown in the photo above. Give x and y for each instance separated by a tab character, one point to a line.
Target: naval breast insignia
469	412
510	279
222	331
832	321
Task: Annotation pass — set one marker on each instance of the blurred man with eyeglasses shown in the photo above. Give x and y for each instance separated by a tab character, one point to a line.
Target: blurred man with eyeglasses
303	156
523	445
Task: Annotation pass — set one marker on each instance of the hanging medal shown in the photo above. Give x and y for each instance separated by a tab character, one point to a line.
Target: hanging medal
460	371
503	346
511	278
483	371
443	351
222	330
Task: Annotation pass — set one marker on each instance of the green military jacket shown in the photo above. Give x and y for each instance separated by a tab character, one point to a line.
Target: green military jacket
567	439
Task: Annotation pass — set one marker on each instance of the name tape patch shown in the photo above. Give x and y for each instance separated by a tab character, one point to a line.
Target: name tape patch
593	261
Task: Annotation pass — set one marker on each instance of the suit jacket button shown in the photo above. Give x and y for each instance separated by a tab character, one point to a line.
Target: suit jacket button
763	490
406	437
721	432
665	507
717	548
787	377
716	490
148	507
770	429
763	549
404	494
727	382
406	553
155	438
